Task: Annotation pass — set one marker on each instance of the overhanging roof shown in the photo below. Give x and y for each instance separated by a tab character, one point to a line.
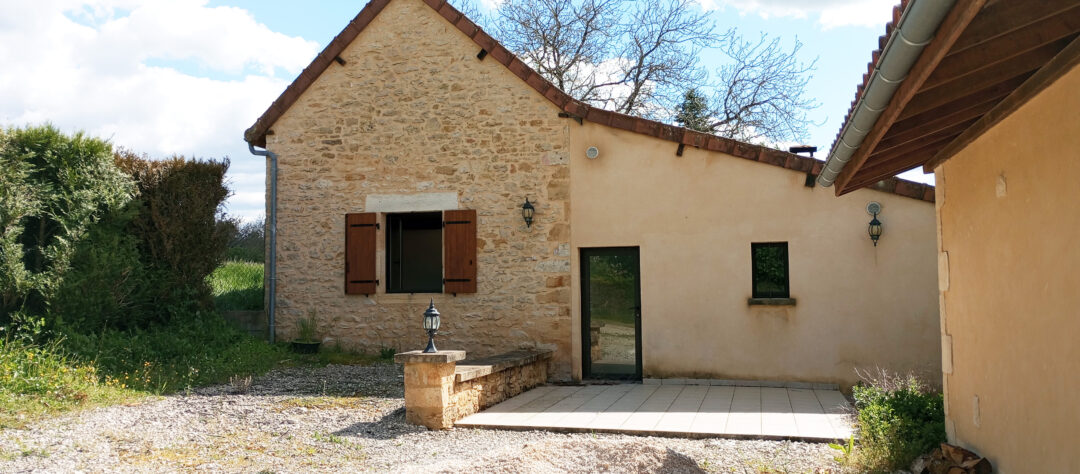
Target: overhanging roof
987	58
573	108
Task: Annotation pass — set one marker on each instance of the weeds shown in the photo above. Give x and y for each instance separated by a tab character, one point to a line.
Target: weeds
194	351
240	384
387	353
40	379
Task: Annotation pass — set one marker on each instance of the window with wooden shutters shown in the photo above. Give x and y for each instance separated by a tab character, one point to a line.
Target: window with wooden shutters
414	252
360	253
459	251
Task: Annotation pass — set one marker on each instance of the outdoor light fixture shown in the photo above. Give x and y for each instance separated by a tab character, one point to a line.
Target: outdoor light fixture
874	229
527	211
431	325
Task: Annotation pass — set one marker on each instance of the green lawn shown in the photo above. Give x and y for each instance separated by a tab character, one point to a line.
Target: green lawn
237	285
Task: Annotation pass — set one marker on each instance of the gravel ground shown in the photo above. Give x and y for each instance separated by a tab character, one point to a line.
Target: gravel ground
349	419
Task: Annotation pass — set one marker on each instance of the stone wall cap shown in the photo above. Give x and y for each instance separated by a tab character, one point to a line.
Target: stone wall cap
419	357
489	365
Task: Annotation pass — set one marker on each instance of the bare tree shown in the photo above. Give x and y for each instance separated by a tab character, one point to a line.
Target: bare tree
565	41
761	93
641	58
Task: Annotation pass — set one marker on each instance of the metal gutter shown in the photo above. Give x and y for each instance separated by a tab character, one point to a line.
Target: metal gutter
271	286
916	28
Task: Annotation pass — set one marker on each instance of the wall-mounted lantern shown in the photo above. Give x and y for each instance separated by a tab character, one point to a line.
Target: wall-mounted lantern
874	229
431	325
527	211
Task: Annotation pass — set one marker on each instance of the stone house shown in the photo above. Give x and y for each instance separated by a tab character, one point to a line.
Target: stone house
399	163
990	104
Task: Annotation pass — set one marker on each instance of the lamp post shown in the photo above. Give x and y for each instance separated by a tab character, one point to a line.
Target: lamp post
527	211
431	325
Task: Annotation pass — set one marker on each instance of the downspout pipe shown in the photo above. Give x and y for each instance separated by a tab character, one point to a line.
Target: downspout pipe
271	286
916	28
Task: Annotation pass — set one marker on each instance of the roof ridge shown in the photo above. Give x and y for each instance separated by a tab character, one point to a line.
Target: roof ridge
256	134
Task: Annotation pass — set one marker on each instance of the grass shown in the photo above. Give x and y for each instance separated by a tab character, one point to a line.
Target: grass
200	349
37	380
75	370
237	285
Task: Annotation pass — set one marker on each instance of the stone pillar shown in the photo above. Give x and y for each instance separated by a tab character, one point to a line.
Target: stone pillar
429	386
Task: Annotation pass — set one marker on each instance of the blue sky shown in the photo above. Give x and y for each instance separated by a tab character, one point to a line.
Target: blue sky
188	76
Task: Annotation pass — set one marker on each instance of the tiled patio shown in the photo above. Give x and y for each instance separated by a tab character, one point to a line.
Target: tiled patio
675	410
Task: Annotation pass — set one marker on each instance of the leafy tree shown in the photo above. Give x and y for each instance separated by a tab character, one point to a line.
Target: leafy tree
642	57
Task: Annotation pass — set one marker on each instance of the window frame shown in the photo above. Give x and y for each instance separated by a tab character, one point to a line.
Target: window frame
390	233
755	277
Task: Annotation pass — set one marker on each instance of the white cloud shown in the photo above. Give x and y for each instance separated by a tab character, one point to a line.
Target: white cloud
102	66
829	13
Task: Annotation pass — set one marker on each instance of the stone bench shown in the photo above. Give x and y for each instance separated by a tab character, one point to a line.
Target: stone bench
438	391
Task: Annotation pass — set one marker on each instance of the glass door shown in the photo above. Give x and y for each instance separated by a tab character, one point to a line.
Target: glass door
611	313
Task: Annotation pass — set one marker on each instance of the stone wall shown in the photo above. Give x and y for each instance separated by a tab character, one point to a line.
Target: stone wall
413	121
438	392
473	395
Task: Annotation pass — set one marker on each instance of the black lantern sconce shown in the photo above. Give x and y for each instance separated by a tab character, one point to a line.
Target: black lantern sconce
874	229
431	325
527	211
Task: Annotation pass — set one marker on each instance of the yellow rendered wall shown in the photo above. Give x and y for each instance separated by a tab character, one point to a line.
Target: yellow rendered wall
694	218
1010	243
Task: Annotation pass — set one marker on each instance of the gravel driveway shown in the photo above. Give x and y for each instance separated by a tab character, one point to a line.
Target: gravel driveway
348	419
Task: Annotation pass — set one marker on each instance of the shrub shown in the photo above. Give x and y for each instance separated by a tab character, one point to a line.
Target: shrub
181	240
106	285
53	187
237	286
898	420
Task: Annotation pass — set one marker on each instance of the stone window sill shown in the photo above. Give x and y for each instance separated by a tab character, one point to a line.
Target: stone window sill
771	302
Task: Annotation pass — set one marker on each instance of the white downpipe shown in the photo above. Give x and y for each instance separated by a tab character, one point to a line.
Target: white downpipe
917	26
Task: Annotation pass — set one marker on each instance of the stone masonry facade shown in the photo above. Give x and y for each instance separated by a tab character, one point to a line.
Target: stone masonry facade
411	113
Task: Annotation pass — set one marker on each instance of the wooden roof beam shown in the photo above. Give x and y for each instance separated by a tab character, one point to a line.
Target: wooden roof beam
974	60
950	30
929	99
1002	17
912	130
1064	62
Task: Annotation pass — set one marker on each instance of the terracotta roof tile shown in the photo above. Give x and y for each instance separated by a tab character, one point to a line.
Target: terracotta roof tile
256	135
897	12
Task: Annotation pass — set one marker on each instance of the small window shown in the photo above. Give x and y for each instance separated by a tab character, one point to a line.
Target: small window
770	270
414	252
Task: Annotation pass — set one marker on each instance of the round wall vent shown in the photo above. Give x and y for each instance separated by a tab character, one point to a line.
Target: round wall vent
592	152
873	207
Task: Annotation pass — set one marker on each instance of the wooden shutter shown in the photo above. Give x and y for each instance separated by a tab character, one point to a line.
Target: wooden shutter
360	253
459	251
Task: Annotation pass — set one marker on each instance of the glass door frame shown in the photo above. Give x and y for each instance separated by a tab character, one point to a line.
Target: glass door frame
586	317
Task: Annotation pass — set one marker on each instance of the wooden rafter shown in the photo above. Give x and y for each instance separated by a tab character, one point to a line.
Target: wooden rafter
973	61
929	99
914	130
950	30
1001	18
1062	63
